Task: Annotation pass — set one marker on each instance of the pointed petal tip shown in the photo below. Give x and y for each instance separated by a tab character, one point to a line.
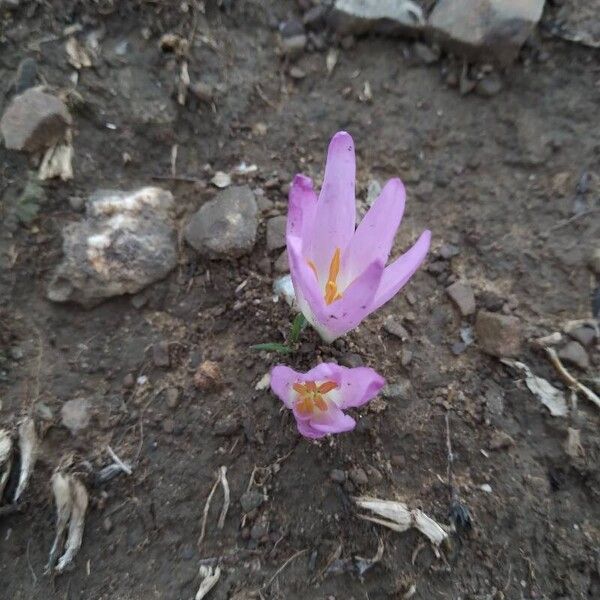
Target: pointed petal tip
342	137
302	181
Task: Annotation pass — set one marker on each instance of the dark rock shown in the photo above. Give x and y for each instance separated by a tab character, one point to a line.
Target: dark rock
281	265
484	29
291	27
497	334
337	475
398	460
26	75
394	327
126	242
314	18
461	293
259	532
575	354
390	17
75	414
491	301
276	233
351	360
293	46
584	334
160	354
251	500
358	476
490	85
34	121
128	381
225	226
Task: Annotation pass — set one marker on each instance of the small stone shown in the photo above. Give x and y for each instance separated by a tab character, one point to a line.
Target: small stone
276	233
293	46
491	301
337	475
497	334
291	28
128	381
227	426
16	353
251	500
297	73
33	121
139	300
398	460
425	54
358	476
584	334
490	85
225	226
168	425
160	354
75	414
107	524
397	391
187	552
281	264
448	251
461	293
374	475
26	75
575	354
594	261
394	327
351	360
208	376
259	532
406	357
77	203
172	397
44	411
486	487
500	440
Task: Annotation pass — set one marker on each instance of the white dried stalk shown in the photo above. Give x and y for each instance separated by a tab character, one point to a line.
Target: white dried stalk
573	445
76	525
210	577
28	447
6	446
57	162
64	503
226	497
397	516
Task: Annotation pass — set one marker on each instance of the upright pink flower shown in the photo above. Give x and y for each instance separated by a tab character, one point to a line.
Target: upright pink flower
339	273
317	398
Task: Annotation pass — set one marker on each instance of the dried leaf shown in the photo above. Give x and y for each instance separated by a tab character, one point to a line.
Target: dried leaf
552	398
75	536
573	445
57	162
78	56
64	503
28	447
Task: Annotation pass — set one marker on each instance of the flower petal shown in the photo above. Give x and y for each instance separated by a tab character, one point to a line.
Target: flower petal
336	210
305	429
333	420
356	303
282	380
302	207
401	270
374	236
359	385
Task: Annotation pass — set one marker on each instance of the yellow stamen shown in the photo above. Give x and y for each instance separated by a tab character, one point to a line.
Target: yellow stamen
331	290
310	396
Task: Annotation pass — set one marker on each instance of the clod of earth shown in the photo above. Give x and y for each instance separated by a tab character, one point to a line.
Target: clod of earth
126	242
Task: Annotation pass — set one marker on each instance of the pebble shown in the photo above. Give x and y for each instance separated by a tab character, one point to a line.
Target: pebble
291	28
425	54
500	440
172	397
337	475
491	301
168	425
575	354
398	460
128	381
393	326
208	376
251	500
374	475
397	391
259	531
406	357
351	360
227	425
594	261
490	85
281	265
44	411
33	121
448	251
226	226
26	75
297	73
584	334
498	335
358	476
77	203
75	414
160	354
276	233
486	487
107	524
293	46
461	293
187	552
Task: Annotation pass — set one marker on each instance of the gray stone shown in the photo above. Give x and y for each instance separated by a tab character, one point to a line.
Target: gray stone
358	476
160	354
227	425
337	475
398	391
126	242
448	251
293	46
75	414
259	531
172	397
575	354
351	360
425	54
394	327
26	75
34	121
497	334
226	226
251	500
485	29
584	334
281	264
461	293
595	261
391	17
276	233
489	85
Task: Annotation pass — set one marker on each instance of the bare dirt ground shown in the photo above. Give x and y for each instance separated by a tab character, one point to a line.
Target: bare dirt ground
491	176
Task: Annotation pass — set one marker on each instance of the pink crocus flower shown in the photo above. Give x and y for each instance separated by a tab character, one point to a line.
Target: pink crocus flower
318	398
339	272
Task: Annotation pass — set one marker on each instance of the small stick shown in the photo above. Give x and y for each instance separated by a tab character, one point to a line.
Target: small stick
571	219
124	466
206	509
569	380
283	566
225	485
183	178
